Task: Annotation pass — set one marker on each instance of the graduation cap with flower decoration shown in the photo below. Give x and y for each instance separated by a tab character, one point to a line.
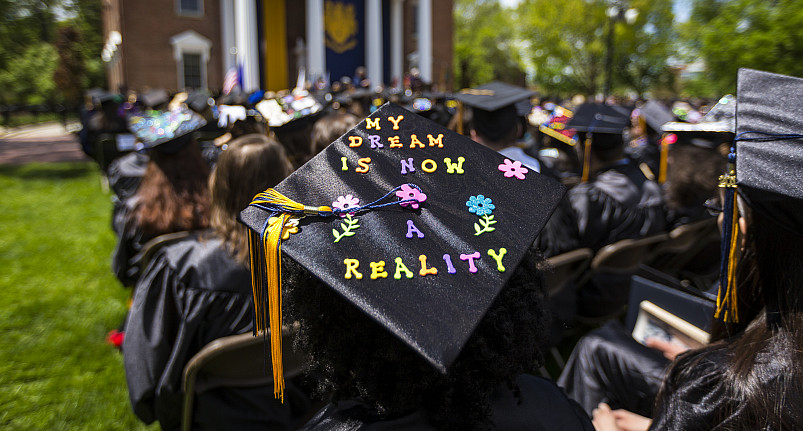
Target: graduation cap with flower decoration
768	172
417	226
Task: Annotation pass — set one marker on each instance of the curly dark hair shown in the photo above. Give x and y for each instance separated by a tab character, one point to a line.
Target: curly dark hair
355	358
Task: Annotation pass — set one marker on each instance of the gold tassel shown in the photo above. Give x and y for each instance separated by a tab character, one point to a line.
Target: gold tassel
271	247
727	302
587	158
664	159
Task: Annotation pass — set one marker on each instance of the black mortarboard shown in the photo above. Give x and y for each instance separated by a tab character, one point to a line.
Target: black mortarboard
168	131
471	214
655	114
769	147
154	98
494	107
601	127
600	118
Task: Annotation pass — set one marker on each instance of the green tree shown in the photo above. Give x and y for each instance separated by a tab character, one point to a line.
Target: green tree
484	44
568	46
28	78
729	34
70	72
88	20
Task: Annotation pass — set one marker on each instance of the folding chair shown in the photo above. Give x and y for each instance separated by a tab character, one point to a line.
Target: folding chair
611	269
235	361
683	245
566	268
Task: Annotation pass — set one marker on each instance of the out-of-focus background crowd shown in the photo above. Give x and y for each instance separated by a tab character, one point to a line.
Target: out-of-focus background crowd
286	79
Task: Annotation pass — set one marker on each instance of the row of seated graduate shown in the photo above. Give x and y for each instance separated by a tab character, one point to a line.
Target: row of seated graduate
205	275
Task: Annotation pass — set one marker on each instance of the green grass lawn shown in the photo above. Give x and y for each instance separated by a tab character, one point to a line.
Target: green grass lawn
58	299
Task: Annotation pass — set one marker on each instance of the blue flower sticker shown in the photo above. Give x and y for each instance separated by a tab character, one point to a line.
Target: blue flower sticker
480	205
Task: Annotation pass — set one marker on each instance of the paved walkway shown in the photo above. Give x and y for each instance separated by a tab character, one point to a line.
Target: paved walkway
46	142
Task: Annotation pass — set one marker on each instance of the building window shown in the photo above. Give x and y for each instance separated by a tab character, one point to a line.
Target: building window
191	63
190	7
191	52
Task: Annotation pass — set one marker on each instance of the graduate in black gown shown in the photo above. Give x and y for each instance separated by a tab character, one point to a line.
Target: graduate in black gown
749	376
173	195
197	290
616	200
407	310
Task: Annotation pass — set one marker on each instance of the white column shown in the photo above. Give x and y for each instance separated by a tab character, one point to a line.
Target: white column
316	50
425	39
373	41
246	42
396	40
227	33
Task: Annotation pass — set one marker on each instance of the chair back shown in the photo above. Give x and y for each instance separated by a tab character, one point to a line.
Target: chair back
235	361
623	257
150	248
683	244
566	268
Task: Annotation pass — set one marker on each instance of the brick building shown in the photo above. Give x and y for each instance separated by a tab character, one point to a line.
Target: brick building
181	44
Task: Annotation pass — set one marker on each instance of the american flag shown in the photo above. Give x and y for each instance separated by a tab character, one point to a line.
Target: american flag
231	80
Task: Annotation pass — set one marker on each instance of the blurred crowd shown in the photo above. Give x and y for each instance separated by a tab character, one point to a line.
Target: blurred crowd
183	166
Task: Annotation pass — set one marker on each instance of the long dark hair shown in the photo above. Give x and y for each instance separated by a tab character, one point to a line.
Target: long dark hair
174	194
763	352
355	358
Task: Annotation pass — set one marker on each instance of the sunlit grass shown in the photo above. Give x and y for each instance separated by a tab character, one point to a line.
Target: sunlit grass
58	299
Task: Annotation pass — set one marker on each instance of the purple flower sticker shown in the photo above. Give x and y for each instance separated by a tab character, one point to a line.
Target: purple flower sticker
408	192
513	169
345	203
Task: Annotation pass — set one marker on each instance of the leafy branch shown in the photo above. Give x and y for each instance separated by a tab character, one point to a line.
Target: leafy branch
486	221
349	225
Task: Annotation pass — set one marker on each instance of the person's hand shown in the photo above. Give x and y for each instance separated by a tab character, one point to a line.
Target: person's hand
670	350
629	421
602	418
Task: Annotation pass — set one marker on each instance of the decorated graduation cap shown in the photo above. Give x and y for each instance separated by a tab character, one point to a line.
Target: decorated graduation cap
417	226
494	107
765	166
602	125
168	131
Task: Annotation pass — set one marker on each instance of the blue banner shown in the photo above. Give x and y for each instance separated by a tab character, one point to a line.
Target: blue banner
344	25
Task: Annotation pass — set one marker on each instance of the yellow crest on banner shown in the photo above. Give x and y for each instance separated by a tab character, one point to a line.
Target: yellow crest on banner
340	24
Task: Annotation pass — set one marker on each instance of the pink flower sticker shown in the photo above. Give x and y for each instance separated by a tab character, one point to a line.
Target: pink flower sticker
513	169
408	192
346	202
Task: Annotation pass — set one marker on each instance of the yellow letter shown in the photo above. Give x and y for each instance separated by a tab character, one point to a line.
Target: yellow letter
429	166
394	142
351	268
345	166
400	267
434	141
414	141
363	165
372	123
498	258
355	141
424	270
378	270
395	121
454	167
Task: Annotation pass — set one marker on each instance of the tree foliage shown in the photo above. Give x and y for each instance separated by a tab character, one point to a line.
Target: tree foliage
568	45
29	77
485	47
729	34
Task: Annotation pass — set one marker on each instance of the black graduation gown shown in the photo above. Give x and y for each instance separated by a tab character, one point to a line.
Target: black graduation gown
541	406
192	293
130	240
619	203
608	365
699	394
